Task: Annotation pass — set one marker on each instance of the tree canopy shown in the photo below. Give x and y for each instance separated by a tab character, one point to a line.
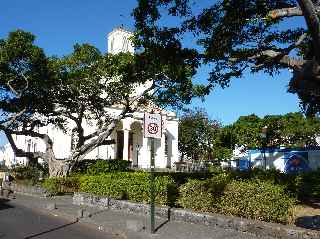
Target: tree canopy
77	89
197	133
237	36
290	130
201	138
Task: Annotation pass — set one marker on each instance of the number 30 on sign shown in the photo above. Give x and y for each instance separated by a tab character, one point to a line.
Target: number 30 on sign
152	126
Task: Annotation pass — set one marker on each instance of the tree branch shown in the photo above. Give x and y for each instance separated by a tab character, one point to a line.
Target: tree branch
14	90
285	12
21	153
13	118
310	14
49	154
282	56
105	131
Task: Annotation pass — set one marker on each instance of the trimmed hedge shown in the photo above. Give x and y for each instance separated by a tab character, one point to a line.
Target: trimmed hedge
257	200
251	199
61	185
302	186
101	166
133	186
202	195
268	196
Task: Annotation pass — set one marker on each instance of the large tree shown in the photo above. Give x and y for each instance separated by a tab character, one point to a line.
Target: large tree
39	91
197	133
239	36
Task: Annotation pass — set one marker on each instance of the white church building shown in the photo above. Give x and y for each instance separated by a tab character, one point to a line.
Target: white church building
128	140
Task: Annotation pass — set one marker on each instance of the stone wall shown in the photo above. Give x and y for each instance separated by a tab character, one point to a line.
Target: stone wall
25	189
130	207
226	222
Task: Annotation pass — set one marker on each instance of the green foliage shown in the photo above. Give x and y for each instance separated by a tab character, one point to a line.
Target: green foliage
196	135
257	200
81	167
106	166
23	64
195	195
254	199
200	138
61	185
183	177
133	186
307	185
31	173
289	130
264	195
215	169
84	84
100	166
202	195
236	37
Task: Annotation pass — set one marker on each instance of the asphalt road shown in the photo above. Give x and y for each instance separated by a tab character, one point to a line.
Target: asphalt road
18	222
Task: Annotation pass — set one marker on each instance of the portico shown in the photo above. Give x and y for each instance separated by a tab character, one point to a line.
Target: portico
132	146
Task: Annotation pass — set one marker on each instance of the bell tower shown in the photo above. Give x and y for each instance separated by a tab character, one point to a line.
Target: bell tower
119	41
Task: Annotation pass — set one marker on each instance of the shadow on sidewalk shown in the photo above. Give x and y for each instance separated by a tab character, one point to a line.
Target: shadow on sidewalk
165	222
4	204
51	230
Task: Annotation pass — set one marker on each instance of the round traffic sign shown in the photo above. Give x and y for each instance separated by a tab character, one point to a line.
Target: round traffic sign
153	128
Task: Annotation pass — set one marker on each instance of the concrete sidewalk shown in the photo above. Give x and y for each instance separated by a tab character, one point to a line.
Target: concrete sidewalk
126	225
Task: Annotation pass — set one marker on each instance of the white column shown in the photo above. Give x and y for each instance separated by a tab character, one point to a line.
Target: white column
162	162
144	159
125	154
174	142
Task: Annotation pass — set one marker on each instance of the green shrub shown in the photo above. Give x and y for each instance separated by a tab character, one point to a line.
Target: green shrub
106	166
195	195
202	195
183	177
61	185
215	169
257	200
30	174
302	186
133	186
307	185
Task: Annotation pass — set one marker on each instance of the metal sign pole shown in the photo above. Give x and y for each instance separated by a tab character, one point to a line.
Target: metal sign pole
153	130
152	189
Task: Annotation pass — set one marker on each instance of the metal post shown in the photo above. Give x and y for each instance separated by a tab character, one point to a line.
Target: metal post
152	189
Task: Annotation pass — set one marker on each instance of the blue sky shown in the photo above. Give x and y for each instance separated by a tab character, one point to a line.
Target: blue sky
60	24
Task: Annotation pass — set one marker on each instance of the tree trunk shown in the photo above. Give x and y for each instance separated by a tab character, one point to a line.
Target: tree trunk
58	168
